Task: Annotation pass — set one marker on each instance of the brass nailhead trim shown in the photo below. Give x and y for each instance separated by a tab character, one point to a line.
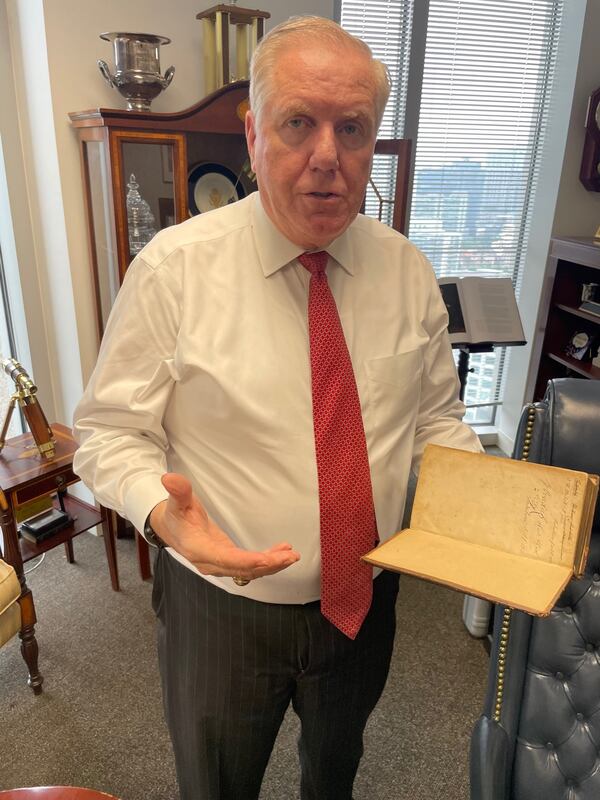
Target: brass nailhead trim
505	628
528	433
502	663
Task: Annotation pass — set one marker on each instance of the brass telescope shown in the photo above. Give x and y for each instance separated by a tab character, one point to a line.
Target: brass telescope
25	395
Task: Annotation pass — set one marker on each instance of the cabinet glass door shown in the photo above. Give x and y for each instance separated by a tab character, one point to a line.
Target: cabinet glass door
149	197
149	175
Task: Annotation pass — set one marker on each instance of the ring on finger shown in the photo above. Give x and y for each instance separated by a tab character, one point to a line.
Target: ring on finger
239	581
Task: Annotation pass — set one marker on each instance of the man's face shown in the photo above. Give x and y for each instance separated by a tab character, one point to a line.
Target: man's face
313	144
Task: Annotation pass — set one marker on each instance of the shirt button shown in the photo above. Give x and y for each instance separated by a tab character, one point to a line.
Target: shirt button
596	577
590	647
549	746
559	676
568	610
579	716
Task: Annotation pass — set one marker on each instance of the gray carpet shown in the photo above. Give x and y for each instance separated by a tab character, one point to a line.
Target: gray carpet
99	720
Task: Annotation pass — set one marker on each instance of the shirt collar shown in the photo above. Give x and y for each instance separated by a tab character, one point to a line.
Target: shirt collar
275	251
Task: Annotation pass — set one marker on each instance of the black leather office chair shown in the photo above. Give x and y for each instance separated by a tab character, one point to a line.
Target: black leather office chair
539	735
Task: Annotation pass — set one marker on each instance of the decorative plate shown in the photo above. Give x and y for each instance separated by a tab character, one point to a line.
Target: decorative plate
212	186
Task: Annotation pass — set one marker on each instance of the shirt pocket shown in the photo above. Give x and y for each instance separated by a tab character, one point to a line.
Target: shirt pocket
394	384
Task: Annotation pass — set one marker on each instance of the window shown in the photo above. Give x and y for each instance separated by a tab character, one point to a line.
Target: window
487	73
386	27
7	349
10	301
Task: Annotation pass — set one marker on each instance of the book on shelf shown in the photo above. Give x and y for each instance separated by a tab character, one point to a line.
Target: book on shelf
481	311
32	507
41	526
591	306
510	531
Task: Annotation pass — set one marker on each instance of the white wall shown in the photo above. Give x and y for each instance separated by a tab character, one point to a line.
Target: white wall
54	46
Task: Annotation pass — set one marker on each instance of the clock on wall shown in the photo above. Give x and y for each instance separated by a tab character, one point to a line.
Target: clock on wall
589	173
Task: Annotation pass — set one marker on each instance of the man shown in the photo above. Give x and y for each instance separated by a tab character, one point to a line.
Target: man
230	410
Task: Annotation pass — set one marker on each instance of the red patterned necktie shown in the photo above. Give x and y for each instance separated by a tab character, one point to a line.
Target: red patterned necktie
347	515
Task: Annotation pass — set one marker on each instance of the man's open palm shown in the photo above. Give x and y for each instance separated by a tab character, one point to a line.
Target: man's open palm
182	523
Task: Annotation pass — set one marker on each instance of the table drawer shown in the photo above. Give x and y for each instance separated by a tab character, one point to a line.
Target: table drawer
44	485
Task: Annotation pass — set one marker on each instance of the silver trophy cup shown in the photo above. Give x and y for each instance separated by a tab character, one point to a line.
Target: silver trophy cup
137	68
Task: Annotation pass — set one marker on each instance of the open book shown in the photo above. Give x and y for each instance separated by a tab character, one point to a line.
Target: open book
510	531
481	310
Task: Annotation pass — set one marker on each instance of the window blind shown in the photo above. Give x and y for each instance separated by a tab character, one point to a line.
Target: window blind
386	27
487	75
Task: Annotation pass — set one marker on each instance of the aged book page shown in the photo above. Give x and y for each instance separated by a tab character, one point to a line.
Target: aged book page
516	506
506	530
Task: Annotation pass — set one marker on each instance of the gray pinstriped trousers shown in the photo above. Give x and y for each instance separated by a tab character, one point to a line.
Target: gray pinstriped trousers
230	667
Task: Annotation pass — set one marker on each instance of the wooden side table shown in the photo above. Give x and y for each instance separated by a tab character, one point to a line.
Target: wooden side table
25	476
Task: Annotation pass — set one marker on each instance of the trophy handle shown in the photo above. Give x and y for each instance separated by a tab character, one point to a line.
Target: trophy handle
103	67
169	76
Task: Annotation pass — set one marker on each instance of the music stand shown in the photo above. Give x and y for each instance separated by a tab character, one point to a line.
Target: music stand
482	314
463	369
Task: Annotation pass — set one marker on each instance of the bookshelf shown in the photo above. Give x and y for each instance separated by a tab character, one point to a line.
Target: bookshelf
571	263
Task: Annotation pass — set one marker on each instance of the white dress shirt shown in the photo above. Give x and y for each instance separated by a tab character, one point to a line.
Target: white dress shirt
204	369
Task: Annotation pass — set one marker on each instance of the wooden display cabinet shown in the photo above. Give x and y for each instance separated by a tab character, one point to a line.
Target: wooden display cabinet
164	152
571	263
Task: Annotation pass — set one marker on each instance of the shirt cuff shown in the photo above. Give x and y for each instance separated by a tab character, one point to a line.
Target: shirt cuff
141	498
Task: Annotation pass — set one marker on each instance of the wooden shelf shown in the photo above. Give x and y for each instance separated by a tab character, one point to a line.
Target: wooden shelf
577	312
85	517
585	368
584	251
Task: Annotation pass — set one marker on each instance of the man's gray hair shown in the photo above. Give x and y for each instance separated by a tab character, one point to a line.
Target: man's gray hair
309	29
